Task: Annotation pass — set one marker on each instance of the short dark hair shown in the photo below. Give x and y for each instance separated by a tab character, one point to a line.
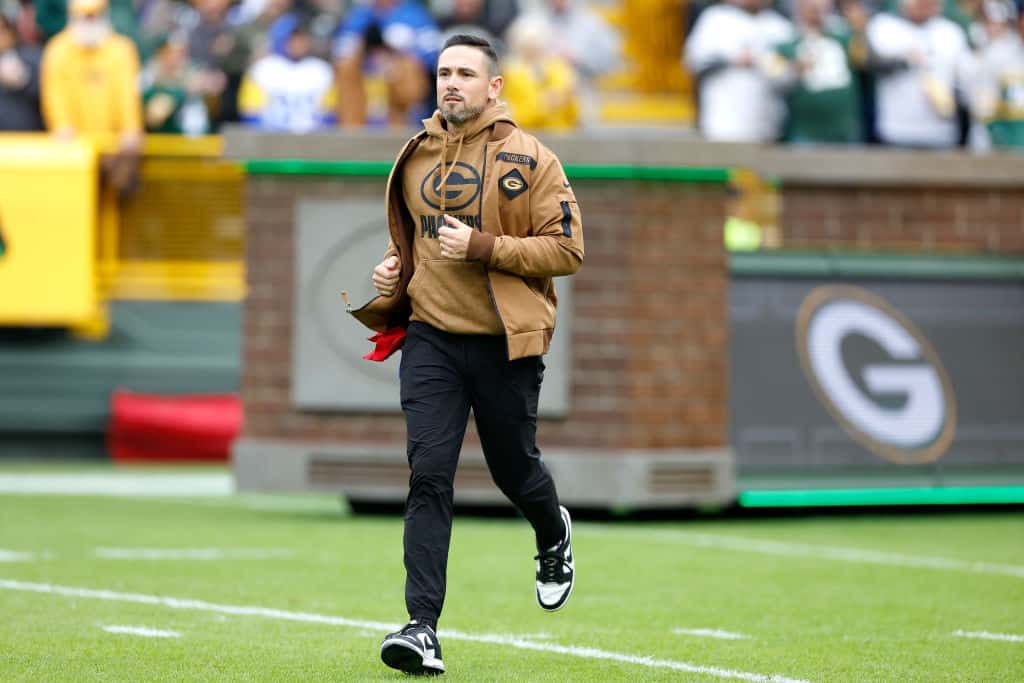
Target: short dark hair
479	43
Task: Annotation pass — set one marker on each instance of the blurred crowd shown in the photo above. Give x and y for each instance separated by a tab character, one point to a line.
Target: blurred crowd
915	73
912	73
123	67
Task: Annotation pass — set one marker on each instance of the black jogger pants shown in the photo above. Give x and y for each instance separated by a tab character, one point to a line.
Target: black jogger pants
443	375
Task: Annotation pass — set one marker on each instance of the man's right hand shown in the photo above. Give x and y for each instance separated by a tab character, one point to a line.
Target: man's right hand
386	274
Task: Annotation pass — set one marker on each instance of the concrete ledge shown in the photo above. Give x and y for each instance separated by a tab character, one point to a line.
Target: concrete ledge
818	166
902	266
599	479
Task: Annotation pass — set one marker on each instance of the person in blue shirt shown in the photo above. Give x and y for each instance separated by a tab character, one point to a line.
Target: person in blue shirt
385	52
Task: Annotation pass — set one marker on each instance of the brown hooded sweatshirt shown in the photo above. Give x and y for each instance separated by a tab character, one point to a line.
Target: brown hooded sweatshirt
528	229
443	177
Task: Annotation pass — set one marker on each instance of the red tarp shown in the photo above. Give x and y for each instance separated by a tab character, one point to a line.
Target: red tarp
146	427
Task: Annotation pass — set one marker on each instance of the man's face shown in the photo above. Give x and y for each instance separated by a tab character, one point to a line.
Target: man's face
299	46
920	11
213	11
752	6
812	13
467	9
464	86
172	58
90	28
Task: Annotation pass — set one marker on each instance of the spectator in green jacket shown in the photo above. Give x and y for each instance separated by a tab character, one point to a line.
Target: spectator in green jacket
172	99
816	70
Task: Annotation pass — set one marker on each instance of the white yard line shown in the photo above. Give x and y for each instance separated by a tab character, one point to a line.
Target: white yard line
710	633
191	553
822	552
120	484
141	631
381	627
985	635
15	556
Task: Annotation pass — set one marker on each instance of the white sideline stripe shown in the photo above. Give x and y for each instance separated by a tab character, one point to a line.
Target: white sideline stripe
190	553
379	626
15	556
141	631
824	552
1008	637
710	633
120	484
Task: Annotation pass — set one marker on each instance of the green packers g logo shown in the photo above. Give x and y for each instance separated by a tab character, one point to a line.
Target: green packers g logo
512	183
900	404
3	242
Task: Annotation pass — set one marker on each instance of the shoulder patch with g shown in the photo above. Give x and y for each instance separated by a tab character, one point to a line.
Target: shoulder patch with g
513	184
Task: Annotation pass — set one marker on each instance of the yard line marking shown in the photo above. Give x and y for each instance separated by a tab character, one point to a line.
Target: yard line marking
594	653
710	633
380	626
15	556
536	636
120	484
141	631
1008	637
824	552
190	553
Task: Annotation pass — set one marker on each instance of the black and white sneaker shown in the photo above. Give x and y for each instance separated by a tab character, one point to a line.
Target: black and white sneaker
414	649
555	570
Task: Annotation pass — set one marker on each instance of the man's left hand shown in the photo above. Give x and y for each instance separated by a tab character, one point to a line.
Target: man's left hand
454	238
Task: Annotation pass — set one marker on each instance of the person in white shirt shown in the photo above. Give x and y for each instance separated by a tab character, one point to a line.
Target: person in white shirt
289	91
731	52
917	57
581	36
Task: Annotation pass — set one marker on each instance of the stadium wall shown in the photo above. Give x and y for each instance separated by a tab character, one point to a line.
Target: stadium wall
649	314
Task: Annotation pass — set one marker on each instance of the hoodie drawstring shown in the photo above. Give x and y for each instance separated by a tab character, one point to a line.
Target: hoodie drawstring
444	173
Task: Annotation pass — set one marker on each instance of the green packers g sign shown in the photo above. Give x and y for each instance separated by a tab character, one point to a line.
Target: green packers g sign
917	422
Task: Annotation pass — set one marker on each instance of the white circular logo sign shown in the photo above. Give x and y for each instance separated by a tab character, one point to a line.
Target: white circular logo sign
917	427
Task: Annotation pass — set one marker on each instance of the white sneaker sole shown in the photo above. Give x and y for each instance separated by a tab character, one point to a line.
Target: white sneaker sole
400	655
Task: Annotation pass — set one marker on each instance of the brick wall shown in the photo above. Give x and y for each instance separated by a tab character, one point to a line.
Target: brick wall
943	219
650	324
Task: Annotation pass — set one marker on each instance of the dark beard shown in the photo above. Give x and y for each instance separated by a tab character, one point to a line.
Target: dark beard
462	117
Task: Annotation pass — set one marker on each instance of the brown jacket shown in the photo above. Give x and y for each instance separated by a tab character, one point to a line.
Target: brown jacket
530	231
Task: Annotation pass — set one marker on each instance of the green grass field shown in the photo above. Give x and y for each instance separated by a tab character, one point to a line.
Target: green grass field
291	588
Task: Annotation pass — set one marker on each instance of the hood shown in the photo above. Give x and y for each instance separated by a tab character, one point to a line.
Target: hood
475	130
436	126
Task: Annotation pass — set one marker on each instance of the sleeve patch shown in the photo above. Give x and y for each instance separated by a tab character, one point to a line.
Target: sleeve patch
566	220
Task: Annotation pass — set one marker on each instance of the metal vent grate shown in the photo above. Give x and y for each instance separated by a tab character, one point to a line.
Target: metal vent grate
347	474
341	473
676	479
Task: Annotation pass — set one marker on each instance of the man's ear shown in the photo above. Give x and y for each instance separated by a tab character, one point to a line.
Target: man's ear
494	88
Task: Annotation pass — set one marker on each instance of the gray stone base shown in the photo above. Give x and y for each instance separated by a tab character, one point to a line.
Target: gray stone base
635	479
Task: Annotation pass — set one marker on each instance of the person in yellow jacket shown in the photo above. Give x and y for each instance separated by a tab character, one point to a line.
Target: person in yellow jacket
90	87
540	86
